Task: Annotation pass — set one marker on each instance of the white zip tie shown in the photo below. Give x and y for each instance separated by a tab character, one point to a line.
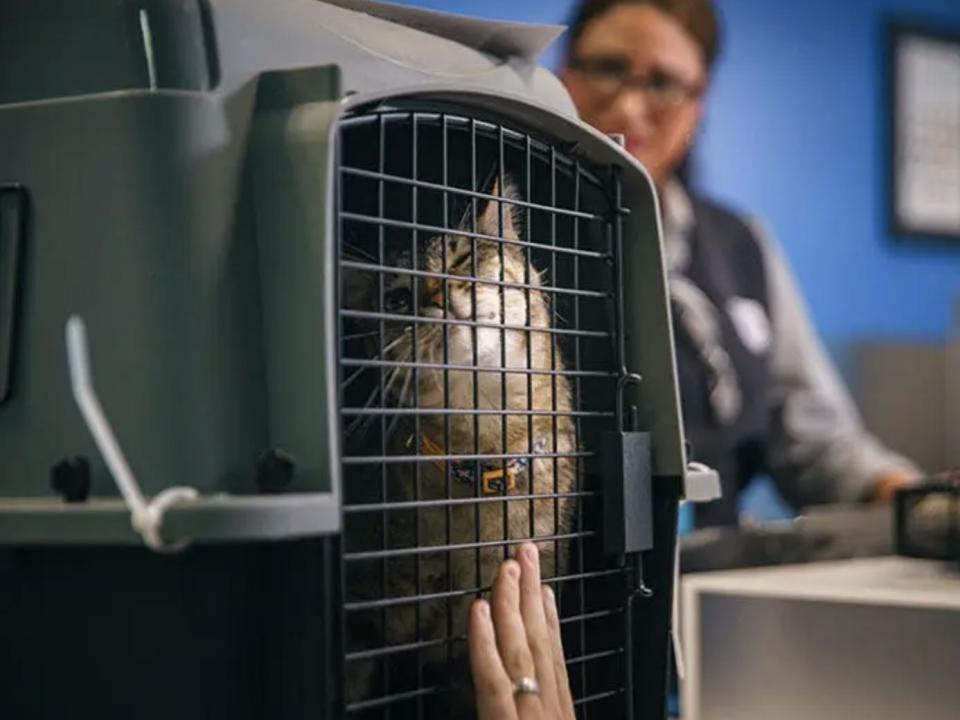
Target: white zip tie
675	631
145	517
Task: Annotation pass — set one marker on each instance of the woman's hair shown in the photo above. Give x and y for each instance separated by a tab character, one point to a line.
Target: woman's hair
697	17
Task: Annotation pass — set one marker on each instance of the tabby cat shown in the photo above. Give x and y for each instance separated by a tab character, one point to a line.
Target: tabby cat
470	335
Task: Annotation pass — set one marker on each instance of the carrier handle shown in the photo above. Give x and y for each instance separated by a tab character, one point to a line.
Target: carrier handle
145	517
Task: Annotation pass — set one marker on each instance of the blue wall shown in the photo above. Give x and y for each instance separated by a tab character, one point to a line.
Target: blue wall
795	134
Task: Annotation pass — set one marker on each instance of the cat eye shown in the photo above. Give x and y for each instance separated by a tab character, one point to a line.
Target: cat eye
397	300
459	262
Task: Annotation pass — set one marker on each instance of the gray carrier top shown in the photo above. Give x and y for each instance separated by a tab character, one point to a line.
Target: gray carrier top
169	179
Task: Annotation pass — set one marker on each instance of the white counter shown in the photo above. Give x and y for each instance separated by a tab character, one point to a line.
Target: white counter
875	639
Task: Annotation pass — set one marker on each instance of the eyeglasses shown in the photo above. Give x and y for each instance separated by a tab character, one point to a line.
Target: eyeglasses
610	76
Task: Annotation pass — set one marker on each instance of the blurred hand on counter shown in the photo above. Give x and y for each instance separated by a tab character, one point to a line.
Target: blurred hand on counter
889	483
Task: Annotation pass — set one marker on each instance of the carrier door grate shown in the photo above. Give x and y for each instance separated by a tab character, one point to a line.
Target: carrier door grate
478	335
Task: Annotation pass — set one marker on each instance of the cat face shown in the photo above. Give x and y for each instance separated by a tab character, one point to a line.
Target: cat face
495	265
473	283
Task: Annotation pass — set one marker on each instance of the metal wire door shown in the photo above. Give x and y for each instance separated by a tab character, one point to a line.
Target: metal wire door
478	332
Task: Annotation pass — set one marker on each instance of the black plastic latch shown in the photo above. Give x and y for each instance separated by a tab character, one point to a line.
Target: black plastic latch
627	501
274	472
71	478
13	217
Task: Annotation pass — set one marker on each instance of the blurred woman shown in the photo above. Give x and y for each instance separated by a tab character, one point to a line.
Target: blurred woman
759	394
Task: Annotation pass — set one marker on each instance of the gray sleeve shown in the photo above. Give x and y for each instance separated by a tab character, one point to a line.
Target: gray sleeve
819	450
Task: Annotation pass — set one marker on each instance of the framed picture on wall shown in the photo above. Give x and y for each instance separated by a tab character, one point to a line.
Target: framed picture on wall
925	132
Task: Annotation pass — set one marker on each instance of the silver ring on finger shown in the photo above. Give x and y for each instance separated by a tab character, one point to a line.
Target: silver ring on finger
526	685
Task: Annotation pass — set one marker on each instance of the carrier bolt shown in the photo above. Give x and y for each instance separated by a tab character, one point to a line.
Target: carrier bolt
71	479
274	470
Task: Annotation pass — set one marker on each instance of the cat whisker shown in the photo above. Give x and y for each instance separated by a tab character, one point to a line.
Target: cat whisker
371	398
347	245
364	420
393	343
355	257
360	336
357	373
407	371
392	378
392	427
404	390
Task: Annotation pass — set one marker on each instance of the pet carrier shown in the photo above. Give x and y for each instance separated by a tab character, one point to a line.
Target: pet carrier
310	312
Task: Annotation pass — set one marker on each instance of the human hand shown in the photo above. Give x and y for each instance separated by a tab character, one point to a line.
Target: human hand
887	485
517	635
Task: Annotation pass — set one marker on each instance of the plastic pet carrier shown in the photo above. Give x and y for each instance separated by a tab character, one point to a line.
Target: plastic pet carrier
310	313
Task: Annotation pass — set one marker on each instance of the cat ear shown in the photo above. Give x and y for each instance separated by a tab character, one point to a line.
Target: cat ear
489	222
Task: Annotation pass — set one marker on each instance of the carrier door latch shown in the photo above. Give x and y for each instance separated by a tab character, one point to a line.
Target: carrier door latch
13	215
627	492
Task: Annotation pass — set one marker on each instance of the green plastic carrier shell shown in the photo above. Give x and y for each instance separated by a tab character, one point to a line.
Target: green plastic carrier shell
167	174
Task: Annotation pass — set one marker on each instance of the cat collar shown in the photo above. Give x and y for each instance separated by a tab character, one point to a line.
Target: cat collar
492	472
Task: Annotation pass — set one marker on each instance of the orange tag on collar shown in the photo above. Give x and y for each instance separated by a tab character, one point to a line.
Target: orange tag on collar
491	481
490	476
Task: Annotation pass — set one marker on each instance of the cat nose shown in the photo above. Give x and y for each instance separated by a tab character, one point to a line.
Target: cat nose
432	292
